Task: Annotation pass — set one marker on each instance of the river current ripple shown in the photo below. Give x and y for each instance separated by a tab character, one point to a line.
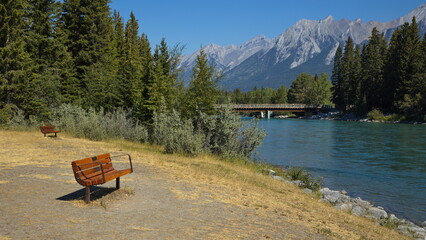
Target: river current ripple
384	164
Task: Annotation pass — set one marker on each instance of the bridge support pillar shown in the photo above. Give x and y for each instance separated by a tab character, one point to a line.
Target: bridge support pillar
262	114
268	114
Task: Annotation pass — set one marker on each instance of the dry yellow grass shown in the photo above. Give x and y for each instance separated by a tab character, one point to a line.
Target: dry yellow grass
236	183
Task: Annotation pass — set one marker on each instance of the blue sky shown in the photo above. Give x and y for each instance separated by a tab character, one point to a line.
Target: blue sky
196	23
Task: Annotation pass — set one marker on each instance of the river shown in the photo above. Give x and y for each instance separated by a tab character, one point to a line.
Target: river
384	164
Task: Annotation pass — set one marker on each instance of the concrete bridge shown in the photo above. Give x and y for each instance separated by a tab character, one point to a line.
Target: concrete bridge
267	109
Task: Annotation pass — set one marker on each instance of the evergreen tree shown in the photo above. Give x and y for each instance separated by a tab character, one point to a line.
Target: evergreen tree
89	29
203	92
336	80
15	62
51	63
300	88
280	95
350	71
131	69
321	90
409	94
140	97
163	80
403	63
373	62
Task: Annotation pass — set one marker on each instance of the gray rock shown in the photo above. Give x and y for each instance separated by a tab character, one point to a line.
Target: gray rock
279	178
376	213
344	192
333	196
298	183
344	207
307	190
362	203
403	229
423	224
357	211
393	218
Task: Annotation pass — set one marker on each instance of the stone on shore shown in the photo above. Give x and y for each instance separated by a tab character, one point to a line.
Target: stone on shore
307	191
279	178
357	211
344	207
333	197
376	213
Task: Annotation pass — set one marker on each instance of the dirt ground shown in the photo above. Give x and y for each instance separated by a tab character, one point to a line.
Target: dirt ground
40	199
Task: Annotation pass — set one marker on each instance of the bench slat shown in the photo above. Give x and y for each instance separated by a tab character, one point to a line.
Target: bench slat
88	171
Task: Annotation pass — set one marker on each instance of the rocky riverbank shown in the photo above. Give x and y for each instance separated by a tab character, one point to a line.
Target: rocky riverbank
352	117
359	207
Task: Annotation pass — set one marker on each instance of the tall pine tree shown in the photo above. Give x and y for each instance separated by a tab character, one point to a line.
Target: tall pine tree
203	93
15	63
336	80
373	63
89	28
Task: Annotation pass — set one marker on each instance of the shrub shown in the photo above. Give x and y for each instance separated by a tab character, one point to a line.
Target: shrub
98	125
175	134
298	173
225	134
7	113
375	114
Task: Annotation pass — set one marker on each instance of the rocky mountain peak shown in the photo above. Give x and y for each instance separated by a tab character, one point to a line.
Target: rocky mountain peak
307	46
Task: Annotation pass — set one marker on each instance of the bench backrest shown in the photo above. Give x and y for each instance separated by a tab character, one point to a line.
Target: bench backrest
86	166
47	129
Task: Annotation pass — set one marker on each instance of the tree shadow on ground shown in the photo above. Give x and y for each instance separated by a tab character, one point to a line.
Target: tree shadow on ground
95	194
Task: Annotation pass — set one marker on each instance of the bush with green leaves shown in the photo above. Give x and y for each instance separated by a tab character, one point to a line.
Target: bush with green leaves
298	173
175	134
223	134
98	125
377	115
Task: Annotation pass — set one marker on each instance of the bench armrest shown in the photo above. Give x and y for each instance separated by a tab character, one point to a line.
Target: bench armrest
130	159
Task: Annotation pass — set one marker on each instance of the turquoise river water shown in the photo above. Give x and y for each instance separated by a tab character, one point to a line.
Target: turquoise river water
384	164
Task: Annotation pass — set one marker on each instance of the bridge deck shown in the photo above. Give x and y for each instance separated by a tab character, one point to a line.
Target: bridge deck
273	107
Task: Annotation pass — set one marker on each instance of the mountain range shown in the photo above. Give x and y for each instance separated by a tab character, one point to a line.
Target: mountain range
307	46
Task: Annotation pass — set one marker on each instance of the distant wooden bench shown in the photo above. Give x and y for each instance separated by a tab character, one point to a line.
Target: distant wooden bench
49	129
98	170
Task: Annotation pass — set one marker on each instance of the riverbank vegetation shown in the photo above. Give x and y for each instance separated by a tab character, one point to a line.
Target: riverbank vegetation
383	76
305	89
77	65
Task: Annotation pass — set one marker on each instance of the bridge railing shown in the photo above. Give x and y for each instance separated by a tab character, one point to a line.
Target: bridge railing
273	106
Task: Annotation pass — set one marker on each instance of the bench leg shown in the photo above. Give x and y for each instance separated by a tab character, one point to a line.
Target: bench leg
117	183
87	200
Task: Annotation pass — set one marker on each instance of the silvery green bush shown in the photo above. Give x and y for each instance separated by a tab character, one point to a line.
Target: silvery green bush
98	125
223	134
227	135
174	133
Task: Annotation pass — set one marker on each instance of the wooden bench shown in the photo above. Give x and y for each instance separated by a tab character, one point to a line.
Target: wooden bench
49	129
98	170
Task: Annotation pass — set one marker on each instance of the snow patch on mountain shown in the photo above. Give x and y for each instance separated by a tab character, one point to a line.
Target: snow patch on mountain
265	60
228	57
